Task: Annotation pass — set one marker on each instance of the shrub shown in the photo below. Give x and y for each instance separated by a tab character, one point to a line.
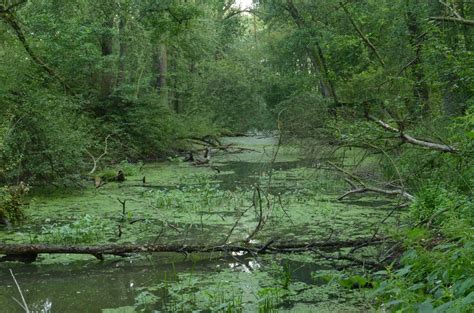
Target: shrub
12	203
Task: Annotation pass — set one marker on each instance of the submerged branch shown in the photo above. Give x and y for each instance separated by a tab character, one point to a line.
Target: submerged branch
390	192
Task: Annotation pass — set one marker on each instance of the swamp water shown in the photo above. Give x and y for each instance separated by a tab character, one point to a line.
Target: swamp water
184	204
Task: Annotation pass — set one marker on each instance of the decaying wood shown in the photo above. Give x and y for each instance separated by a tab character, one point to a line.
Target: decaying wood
206	159
32	250
414	141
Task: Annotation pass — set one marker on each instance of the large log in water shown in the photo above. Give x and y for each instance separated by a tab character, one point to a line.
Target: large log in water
29	252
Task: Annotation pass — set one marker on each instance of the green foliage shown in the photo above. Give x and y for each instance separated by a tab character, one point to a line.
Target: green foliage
436	270
12	203
130	169
439	279
43	145
436	205
93	69
355	282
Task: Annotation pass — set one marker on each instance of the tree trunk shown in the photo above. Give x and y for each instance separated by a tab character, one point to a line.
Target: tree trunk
29	252
122	50
420	89
106	44
162	68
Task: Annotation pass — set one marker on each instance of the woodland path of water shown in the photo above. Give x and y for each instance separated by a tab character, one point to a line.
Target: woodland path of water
186	204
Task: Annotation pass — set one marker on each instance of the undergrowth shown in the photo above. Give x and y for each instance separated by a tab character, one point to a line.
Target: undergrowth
436	271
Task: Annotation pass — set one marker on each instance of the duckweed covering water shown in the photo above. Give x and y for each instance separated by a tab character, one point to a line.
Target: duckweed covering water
182	203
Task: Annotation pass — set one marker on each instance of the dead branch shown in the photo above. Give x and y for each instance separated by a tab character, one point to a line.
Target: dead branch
261	220
22	304
453	20
340	169
411	140
350	258
96	160
450	8
236	223
364	188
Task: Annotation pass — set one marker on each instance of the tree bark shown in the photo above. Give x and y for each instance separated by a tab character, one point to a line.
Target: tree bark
161	64
106	45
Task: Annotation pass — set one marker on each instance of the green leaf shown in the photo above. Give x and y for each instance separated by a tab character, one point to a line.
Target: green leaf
403	271
462	286
393	303
469	299
426	307
416	286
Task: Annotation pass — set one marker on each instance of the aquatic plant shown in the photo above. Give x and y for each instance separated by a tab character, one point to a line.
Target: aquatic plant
86	229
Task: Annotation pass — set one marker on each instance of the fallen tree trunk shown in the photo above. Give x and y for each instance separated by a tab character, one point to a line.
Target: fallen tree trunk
29	252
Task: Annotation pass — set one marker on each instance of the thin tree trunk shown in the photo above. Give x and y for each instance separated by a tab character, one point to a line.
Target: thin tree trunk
10	19
420	89
106	44
122	50
161	70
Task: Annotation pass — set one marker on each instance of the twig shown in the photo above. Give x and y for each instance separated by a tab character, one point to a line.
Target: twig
24	306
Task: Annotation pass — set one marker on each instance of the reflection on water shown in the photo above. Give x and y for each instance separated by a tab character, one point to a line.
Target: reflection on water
88	286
